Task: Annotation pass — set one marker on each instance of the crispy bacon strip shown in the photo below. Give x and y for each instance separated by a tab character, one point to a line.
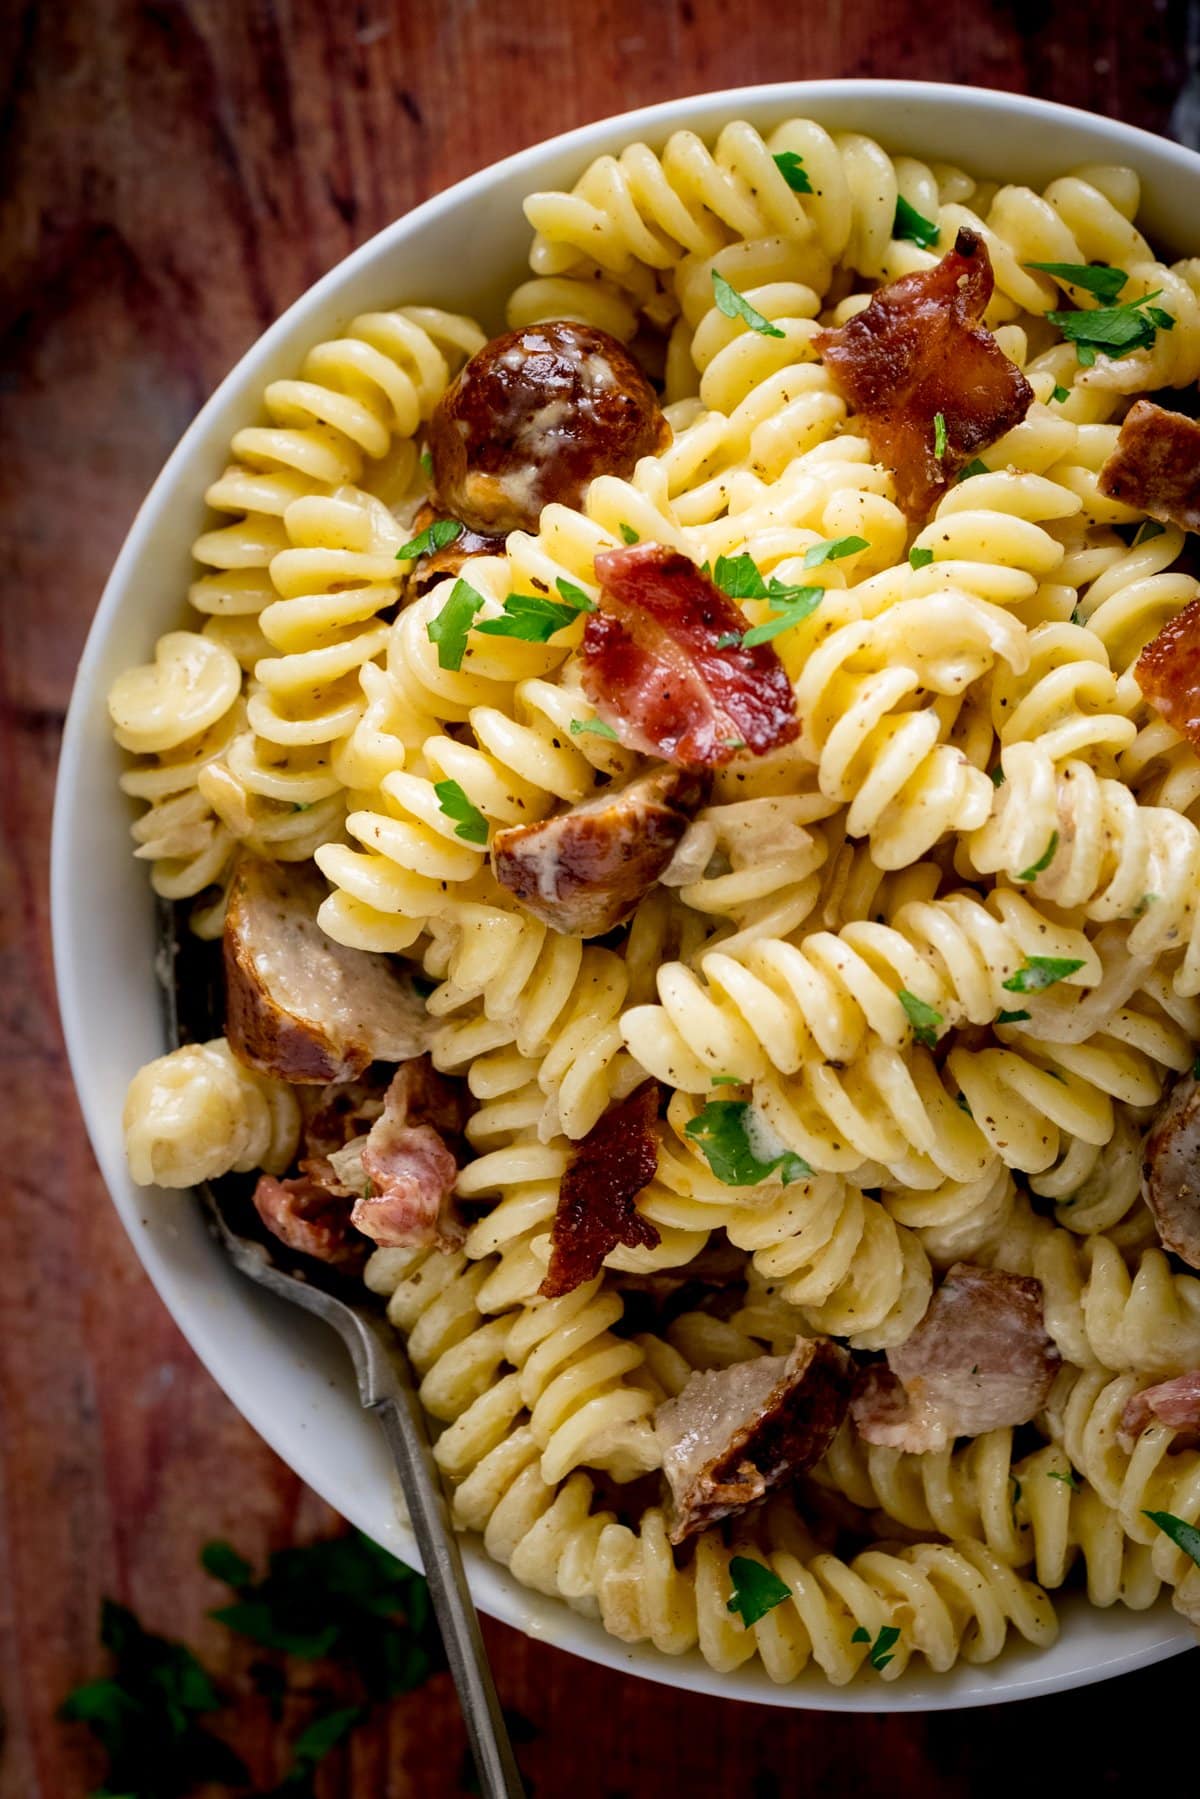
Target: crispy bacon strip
734	1433
664	665
919	350
980	1359
1172	1402
306	1215
1156	465
1168	672
617	1158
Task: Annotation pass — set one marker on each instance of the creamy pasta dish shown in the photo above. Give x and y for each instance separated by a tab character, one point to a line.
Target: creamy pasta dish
699	798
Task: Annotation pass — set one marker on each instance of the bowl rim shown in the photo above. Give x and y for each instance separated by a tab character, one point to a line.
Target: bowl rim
1019	1673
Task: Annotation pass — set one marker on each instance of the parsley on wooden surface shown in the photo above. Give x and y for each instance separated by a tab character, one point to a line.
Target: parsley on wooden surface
595	727
469	822
434	537
913	227
1184	1536
919	558
939	435
722	1131
791	167
924	1019
756	1589
1040	972
1095	278
736	306
832	549
1043	862
880	1651
449	629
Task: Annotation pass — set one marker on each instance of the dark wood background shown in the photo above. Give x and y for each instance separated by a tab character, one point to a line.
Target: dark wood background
173	175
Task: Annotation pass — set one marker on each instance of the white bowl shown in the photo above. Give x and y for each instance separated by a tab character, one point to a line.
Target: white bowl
288	1375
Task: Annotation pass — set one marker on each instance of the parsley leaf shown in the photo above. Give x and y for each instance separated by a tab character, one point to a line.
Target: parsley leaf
996	776
726	1080
756	1590
223	1562
534	619
974	467
913	226
471	825
939	435
832	549
918	558
791	167
1116	330
323	1734
1093	277
1060	394
741	578
1043	862
629	534
736	306
1017	1017
596	726
145	1714
1069	1479
721	1130
433	537
1040	972
1150	529
426	461
449	629
923	1019
574	596
879	1655
1184	1536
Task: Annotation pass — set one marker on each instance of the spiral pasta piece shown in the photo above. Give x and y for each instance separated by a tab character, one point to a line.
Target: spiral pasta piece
197	1113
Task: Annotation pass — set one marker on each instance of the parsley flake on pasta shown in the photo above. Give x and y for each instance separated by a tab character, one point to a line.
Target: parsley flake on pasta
469	822
924	1019
756	1590
1040	972
736	306
735	1143
436	536
450	628
791	167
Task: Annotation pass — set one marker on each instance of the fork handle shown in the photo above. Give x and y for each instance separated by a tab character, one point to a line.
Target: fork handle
429	1512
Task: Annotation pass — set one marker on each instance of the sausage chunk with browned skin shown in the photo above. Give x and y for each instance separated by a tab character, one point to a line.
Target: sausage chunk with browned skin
734	1433
584	871
297	1004
535	416
1156	465
1171	1172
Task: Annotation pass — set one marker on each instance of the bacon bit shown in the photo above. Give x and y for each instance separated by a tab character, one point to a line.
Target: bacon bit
403	1172
1168	672
1173	1402
917	351
305	1215
653	669
614	1162
980	1359
1156	465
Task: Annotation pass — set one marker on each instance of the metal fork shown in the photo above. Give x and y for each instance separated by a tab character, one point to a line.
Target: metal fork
386	1388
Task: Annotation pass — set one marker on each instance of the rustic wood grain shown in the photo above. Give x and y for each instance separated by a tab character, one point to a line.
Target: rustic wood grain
171	176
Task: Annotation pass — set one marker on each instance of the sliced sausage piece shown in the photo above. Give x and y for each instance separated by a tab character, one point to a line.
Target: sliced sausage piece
534	417
1156	465
979	1360
1168	672
734	1433
297	1004
1171	1172
919	353
1172	1402
596	1209
584	871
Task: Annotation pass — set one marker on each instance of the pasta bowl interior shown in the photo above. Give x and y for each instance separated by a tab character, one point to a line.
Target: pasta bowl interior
875	835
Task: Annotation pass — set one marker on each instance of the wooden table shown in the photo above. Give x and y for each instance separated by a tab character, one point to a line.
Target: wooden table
175	174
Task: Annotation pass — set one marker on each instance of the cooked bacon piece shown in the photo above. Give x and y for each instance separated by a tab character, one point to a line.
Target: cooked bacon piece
734	1433
534	417
308	1217
617	1158
452	557
980	1359
402	1173
297	1004
584	871
1171	1172
1156	465
1173	1402
1168	672
919	350
663	663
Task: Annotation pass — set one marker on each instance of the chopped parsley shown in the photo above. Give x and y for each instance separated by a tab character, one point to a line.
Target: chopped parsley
1069	1479
535	619
996	776
573	595
1144	904
1017	1017
1040	972
879	1654
1184	1536
629	534
596	726
1061	394
832	549
449	629
919	558
923	1018
1095	278
426	461
974	467
726	1080
939	435
798	603
470	824
1116	330
1043	862
728	640
721	1130
433	537
913	226
1196	1069
736	306
757	1590
1150	529
741	578
791	167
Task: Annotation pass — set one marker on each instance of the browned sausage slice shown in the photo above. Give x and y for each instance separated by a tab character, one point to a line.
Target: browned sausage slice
584	870
1156	465
1171	1172
734	1433
299	1005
